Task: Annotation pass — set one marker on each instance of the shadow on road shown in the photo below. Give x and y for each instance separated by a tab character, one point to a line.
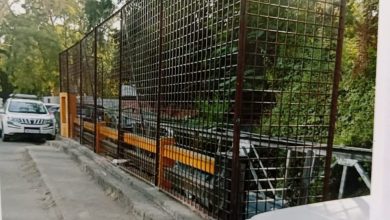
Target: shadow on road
28	140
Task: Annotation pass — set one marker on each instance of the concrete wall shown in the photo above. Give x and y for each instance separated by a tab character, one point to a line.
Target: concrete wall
51	99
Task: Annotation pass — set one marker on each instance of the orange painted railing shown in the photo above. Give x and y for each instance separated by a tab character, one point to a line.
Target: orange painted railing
168	151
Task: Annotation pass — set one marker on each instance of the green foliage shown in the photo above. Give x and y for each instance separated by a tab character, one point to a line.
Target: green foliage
108	59
297	97
296	75
210	112
356	106
96	10
5	85
34	36
357	88
297	113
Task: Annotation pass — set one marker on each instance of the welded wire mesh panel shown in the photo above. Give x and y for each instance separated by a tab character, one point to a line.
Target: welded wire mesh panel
140	59
287	90
88	86
74	71
224	104
107	85
64	71
197	91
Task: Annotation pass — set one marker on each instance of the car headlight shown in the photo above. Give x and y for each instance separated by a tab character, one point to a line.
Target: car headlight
49	122
14	120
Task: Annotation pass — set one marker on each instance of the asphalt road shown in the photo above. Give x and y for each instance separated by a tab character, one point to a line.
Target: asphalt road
39	182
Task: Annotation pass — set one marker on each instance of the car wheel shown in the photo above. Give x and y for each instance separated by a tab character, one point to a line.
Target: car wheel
51	138
5	137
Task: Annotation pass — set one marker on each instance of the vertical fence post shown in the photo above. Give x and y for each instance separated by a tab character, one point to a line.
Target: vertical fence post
67	71
158	148
60	70
68	91
235	205
119	125
81	124
335	94
95	88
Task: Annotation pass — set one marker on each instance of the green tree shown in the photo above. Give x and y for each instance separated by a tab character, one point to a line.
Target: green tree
357	88
97	10
5	84
34	32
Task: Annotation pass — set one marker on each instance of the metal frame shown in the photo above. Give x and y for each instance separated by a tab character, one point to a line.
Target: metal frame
228	106
335	92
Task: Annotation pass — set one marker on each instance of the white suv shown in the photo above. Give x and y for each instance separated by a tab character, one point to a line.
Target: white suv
24	116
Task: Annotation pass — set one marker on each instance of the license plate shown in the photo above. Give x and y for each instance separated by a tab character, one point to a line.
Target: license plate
31	131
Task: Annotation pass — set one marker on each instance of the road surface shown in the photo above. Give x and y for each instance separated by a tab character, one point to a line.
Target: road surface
40	182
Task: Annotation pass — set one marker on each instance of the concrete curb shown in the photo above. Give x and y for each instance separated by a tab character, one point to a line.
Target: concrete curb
37	178
143	200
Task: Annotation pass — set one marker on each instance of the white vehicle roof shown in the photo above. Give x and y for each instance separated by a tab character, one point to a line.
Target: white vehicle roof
24	96
26	100
51	104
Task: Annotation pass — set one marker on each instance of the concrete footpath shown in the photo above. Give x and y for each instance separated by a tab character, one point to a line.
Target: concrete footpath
22	195
69	192
138	199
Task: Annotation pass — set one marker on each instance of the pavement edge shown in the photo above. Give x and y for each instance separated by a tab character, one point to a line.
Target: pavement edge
123	186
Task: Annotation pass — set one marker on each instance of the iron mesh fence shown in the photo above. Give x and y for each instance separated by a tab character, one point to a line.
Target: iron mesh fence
88	101
64	71
74	90
287	92
108	85
227	105
140	66
199	60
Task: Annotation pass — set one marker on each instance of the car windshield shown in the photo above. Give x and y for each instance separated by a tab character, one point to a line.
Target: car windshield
27	107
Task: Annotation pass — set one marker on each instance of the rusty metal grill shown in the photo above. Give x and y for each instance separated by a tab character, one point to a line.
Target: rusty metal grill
197	100
64	71
74	90
88	101
227	105
107	84
140	65
290	52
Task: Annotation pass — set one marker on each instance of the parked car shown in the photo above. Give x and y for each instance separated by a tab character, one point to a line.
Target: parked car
54	109
24	115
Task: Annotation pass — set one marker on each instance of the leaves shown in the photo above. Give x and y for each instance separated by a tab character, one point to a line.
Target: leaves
357	88
95	11
35	34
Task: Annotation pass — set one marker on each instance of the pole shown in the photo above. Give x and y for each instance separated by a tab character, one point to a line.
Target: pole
95	120
118	150
158	148
235	202
335	94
